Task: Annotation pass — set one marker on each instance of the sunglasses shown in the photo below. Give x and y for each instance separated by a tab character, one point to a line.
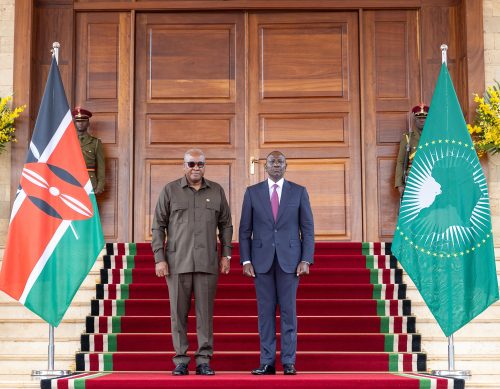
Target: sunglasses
192	164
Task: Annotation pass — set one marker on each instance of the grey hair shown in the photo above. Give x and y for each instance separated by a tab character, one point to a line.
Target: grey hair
190	152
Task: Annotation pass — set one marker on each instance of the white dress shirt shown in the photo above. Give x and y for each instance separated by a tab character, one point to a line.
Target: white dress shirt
278	189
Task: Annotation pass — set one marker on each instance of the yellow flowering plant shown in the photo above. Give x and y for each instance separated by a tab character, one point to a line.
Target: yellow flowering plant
485	130
7	117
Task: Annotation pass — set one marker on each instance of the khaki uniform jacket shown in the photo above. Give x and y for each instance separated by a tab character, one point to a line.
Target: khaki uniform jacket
190	220
413	137
93	154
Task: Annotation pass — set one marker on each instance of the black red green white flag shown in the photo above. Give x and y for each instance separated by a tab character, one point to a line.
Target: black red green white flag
55	233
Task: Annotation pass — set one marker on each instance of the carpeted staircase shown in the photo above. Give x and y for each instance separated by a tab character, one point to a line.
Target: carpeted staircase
354	324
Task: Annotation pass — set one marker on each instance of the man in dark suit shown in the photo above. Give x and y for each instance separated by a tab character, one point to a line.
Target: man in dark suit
276	247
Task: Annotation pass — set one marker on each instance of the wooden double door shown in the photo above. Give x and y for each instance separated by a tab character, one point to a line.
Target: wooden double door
239	85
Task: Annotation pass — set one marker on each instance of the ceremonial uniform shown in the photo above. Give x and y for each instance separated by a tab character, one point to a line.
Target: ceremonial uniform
93	155
411	137
92	149
408	146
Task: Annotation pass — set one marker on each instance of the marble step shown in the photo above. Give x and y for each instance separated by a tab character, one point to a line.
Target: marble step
462	345
420	309
18	381
476	329
24	364
22	329
14	310
29	346
478	363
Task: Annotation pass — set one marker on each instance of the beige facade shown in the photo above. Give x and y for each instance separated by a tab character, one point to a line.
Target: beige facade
6	88
483	360
491	11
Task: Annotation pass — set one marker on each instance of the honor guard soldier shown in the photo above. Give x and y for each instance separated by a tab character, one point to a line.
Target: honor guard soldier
408	146
92	149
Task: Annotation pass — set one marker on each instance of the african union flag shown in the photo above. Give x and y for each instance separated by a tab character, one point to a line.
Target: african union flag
443	238
55	234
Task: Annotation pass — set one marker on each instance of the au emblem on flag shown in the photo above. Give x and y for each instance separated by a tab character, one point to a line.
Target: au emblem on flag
55	234
443	238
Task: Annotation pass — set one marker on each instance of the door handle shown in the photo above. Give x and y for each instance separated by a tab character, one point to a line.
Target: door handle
253	161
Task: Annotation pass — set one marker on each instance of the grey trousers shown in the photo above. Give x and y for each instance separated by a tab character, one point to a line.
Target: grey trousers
181	287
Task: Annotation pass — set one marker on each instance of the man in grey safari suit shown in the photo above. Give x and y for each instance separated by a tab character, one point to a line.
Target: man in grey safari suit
276	238
189	213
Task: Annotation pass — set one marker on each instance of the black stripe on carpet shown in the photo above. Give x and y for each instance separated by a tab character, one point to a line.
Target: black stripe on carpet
109	248
412	324
416	343
80	362
421	362
104	276
406	307
85	342
89	325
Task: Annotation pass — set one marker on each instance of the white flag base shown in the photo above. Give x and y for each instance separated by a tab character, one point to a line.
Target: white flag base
49	373
464	374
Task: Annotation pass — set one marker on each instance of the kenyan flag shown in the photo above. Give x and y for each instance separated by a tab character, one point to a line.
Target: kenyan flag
443	238
55	233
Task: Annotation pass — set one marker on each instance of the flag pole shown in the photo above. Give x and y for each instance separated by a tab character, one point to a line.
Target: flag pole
451	372
50	372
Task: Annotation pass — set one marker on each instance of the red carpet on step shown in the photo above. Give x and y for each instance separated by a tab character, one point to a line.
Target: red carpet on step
355	328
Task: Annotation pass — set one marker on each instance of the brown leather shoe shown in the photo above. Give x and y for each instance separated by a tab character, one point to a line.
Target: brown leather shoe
264	370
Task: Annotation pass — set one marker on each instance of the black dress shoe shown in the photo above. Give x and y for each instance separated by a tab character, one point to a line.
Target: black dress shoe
289	369
180	369
204	369
264	370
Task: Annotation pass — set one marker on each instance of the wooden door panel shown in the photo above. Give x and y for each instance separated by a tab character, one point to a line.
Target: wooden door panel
190	93
190	62
392	68
185	130
304	101
108	209
102	60
314	130
302	59
102	86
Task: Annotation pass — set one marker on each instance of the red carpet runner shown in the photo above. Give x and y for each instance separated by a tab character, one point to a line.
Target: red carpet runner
355	327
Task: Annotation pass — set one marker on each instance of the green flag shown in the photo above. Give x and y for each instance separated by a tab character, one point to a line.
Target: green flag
443	238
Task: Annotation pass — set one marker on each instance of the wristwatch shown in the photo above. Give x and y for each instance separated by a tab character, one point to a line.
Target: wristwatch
228	257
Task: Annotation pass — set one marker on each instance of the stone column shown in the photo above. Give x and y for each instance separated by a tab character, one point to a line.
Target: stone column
6	88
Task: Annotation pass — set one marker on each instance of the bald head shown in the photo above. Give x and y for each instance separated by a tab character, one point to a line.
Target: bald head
198	153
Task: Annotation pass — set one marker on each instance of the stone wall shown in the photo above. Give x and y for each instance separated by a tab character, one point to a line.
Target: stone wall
491	11
6	88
